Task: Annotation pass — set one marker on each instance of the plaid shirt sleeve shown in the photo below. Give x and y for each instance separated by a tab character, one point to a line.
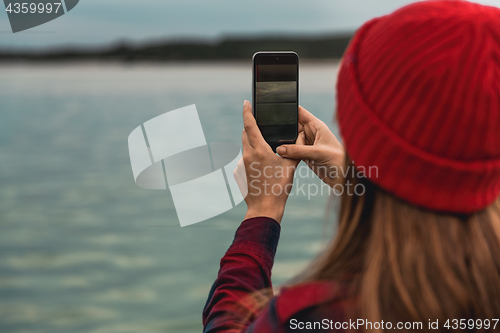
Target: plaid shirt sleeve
244	275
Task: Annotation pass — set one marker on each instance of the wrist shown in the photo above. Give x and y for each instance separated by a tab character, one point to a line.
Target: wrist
274	213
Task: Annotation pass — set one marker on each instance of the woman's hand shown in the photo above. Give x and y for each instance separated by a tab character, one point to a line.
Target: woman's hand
269	177
322	152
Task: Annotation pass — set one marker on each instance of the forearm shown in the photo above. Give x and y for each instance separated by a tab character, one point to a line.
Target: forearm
245	270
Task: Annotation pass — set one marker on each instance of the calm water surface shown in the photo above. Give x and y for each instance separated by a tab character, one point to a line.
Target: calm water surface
82	248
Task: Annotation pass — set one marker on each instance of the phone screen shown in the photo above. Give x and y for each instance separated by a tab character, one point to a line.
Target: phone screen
276	96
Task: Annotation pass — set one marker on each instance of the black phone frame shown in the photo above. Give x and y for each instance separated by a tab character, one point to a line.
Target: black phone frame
273	58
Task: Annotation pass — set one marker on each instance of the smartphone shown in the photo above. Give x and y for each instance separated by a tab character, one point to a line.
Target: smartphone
276	96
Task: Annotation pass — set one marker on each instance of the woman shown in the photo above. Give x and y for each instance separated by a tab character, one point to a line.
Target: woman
418	99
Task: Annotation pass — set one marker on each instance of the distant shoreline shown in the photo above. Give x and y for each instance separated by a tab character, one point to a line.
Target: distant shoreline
230	49
90	63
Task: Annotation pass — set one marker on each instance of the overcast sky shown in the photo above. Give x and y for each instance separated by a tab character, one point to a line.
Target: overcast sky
100	22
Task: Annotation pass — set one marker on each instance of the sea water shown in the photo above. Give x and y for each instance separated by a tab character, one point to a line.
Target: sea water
82	248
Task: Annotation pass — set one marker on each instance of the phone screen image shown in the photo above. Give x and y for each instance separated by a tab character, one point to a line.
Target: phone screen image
276	96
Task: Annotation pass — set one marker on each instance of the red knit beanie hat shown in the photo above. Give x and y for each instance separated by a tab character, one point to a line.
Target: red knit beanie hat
419	99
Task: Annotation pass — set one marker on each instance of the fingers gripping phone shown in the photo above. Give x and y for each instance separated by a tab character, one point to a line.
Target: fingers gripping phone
276	96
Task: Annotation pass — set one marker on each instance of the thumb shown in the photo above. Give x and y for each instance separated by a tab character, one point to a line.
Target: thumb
299	152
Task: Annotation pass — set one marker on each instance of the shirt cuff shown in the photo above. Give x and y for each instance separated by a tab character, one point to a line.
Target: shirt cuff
259	236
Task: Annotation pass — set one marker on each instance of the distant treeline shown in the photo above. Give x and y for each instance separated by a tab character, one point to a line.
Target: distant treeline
232	48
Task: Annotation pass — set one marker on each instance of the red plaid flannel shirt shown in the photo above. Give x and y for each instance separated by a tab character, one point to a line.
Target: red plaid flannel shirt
245	270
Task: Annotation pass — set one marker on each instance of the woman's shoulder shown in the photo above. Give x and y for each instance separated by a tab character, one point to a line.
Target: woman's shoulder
311	299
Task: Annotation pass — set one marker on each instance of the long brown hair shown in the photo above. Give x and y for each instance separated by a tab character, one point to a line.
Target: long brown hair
406	264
